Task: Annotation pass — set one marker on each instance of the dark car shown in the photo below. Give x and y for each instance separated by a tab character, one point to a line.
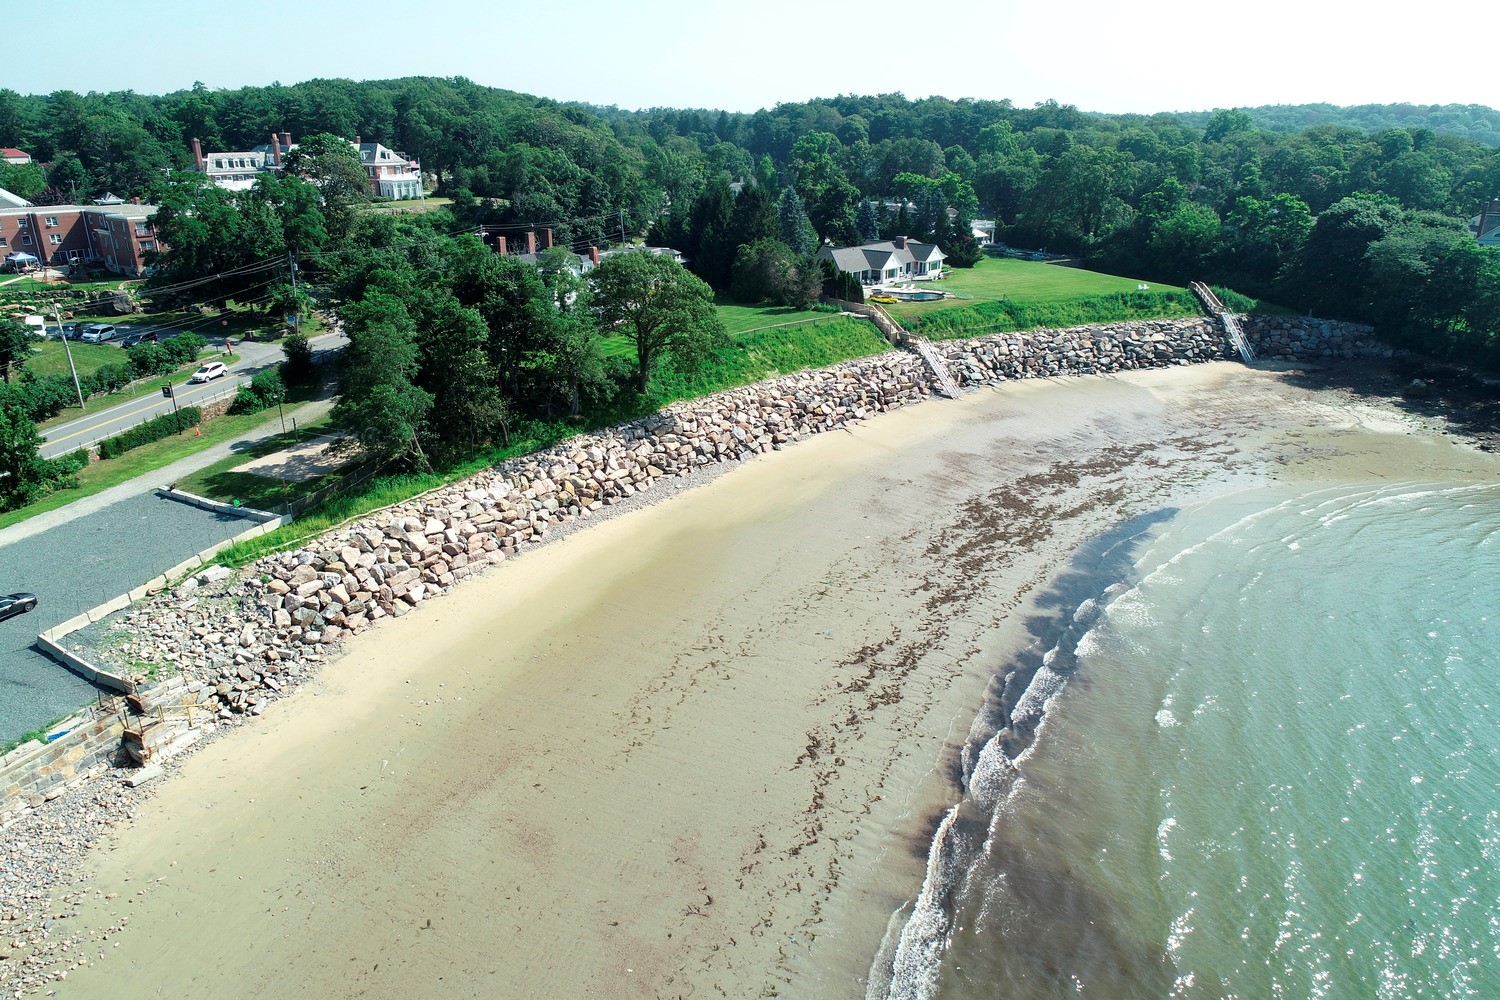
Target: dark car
68	331
140	338
16	604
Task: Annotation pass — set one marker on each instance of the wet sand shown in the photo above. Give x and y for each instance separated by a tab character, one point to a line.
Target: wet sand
692	751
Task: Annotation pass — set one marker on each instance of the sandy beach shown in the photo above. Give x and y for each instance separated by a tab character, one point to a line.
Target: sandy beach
692	751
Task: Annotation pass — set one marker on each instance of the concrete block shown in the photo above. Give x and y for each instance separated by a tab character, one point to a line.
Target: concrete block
140	777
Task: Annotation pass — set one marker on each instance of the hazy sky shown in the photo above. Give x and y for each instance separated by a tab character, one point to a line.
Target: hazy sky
1100	56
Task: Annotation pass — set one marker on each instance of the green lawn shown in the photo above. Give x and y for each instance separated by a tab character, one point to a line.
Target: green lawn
739	320
97	477
999	295
1023	280
50	357
429	204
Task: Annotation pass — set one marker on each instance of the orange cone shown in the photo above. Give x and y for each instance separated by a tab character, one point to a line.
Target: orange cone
197	432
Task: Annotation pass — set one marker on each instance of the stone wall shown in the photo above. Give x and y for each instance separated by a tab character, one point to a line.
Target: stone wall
37	772
1303	338
239	642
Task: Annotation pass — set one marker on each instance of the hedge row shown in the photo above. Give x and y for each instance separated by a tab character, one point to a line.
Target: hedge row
152	430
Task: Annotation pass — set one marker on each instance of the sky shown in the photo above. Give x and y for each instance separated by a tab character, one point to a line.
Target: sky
1097	55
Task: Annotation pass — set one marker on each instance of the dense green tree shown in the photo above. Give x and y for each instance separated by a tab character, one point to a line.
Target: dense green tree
768	271
333	166
16	345
379	400
24	475
1331	277
657	305
1263	237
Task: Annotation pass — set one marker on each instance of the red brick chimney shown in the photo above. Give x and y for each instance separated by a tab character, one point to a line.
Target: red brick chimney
286	140
500	245
899	242
135	201
198	155
356	140
594	255
276	148
530	242
546	239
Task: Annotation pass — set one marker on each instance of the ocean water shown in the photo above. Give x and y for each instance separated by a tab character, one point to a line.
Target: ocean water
1259	757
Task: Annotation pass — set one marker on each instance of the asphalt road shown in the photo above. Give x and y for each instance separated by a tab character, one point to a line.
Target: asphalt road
94	427
76	566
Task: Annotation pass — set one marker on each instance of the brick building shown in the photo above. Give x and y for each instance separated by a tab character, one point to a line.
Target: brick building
115	236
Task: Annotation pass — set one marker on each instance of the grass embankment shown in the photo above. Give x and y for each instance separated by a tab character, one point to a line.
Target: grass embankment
753	356
1022	294
96	477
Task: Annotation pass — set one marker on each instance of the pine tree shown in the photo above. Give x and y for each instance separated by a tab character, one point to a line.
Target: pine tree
866	222
796	230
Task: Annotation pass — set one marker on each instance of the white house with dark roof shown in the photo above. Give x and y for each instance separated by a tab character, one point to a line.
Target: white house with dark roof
391	174
898	259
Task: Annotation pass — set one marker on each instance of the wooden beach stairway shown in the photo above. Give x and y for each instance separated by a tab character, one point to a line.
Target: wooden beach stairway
1228	320
901	337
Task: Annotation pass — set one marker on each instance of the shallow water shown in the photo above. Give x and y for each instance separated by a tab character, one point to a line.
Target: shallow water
1268	768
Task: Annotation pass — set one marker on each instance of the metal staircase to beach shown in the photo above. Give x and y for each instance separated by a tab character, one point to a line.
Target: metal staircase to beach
938	366
1228	320
898	334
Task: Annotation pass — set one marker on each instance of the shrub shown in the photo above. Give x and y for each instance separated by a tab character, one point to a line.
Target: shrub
299	368
152	430
150	359
184	348
105	379
265	390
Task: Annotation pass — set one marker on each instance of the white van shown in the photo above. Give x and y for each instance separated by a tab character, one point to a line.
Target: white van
98	333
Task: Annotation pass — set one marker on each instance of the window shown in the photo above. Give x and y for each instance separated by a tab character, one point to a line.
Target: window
23	222
3	242
51	222
25	240
56	239
141	229
148	245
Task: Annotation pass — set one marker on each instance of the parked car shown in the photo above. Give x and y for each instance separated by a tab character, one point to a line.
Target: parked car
16	604
98	333
209	372
68	331
149	337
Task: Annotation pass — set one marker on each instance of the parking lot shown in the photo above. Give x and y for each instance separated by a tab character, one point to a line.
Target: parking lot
77	566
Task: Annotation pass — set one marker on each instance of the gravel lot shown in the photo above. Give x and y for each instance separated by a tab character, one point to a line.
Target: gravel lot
77	566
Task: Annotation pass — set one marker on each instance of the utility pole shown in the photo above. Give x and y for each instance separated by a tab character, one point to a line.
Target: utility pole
622	227
57	315
291	263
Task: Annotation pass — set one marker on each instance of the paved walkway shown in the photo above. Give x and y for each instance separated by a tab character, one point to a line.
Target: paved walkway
148	482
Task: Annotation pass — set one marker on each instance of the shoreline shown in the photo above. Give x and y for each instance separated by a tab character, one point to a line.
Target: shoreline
934	718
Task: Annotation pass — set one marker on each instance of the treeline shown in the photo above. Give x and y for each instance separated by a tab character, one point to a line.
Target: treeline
1467	121
1167	196
1339	221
